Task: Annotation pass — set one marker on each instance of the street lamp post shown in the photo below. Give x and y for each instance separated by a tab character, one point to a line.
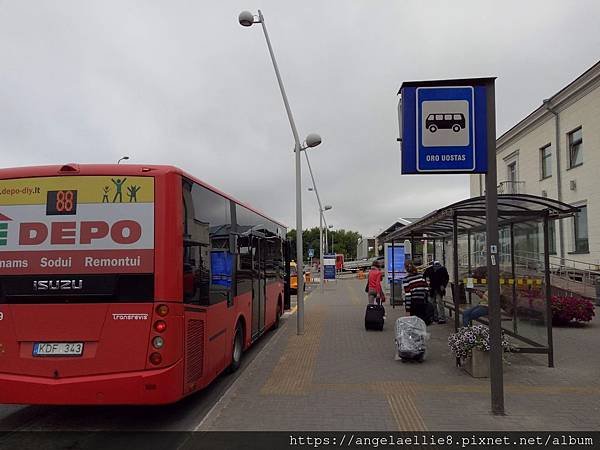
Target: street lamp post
247	19
332	239
322	209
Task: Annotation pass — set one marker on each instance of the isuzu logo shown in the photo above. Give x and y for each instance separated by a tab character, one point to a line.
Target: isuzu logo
57	285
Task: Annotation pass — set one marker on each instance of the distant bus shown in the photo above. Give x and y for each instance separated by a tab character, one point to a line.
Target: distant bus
126	284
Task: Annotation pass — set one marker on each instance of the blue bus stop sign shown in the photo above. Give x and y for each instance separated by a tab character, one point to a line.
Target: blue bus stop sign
444	126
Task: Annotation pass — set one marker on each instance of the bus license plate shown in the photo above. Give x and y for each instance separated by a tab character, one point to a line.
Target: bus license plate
58	349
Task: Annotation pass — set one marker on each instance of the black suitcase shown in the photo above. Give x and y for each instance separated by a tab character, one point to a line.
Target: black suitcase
374	317
423	310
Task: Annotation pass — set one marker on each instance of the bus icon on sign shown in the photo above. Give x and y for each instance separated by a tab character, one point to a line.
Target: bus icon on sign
446	121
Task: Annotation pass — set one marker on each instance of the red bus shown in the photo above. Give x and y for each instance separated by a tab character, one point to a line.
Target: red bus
126	284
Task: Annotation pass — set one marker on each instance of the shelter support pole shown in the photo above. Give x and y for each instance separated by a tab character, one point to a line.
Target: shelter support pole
493	272
514	276
456	292
392	288
444	251
548	293
469	260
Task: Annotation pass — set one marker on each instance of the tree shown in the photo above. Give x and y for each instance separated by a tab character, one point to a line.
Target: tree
344	242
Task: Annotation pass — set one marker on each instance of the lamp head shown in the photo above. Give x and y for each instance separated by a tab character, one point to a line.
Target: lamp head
327	207
313	139
310	189
246	19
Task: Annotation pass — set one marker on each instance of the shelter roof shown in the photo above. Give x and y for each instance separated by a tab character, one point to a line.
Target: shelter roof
471	215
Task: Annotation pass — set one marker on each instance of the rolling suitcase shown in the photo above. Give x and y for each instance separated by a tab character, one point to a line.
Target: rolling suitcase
424	311
374	317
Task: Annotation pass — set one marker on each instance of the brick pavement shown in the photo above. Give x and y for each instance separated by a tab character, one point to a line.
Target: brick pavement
340	377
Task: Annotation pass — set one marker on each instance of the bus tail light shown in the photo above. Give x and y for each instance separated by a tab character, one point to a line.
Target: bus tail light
160	326
162	310
155	358
158	342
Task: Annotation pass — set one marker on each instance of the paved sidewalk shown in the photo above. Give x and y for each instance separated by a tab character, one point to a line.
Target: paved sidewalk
340	377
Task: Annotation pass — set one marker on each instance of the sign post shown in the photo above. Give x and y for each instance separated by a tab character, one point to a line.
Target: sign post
449	126
329	266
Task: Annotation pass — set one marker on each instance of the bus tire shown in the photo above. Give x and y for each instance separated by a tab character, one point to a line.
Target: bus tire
237	350
277	316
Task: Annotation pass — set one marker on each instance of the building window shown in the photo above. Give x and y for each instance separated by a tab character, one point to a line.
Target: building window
546	161
580	231
512	178
575	148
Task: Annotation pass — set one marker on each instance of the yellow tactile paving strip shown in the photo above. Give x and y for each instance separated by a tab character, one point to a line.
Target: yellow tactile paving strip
401	398
294	371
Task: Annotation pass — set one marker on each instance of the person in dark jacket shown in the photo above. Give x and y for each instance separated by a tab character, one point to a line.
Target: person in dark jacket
437	277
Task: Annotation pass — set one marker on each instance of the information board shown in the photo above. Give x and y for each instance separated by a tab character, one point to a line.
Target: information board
329	266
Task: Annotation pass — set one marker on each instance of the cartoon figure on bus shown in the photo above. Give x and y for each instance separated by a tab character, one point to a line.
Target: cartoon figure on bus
105	191
132	192
119	185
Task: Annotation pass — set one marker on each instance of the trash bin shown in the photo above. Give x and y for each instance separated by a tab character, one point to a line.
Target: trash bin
396	293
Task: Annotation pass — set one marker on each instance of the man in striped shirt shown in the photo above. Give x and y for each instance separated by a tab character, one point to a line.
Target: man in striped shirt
415	289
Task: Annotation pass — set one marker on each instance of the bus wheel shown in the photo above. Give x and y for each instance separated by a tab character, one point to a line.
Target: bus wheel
456	128
277	316
238	348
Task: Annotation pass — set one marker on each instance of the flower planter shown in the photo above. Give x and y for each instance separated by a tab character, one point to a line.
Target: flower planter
478	364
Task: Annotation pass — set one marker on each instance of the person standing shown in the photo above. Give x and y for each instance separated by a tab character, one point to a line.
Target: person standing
437	277
415	291
374	288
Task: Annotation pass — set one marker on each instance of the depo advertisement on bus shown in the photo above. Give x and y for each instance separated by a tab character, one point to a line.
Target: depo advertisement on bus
77	224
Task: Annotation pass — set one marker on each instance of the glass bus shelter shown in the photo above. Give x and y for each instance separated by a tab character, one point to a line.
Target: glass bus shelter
455	235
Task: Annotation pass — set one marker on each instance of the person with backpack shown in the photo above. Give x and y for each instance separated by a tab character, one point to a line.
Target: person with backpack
437	277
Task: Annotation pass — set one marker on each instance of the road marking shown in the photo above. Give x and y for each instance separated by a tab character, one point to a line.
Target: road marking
295	308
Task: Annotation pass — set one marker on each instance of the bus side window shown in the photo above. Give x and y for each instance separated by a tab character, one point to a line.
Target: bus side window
244	265
196	254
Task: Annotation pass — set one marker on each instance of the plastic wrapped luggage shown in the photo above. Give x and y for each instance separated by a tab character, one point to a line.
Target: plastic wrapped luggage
411	338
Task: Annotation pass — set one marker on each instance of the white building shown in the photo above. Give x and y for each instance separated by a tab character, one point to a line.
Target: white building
555	152
365	247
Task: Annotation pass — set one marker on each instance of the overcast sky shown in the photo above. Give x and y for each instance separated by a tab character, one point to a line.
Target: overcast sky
181	82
